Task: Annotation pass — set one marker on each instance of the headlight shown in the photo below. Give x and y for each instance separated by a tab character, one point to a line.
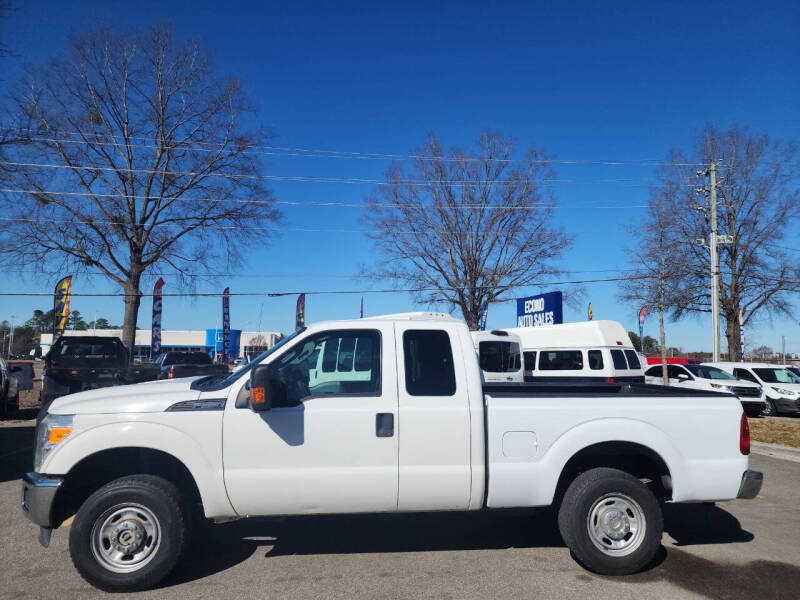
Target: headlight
719	386
784	392
50	432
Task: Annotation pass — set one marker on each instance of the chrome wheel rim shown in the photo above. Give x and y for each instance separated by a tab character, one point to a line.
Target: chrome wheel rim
125	537
616	524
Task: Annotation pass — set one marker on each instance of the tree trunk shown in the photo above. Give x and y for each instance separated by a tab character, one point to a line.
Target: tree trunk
471	317
133	299
662	338
734	339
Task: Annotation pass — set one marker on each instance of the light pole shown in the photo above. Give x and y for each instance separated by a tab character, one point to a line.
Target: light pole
11	338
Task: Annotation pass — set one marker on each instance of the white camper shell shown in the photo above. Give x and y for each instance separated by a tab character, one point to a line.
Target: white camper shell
590	351
499	356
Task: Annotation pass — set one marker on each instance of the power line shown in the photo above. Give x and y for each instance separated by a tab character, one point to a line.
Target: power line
313	179
315	292
345	154
268	275
87	195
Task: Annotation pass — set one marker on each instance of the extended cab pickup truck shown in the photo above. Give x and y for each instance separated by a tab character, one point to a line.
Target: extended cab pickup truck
174	365
385	414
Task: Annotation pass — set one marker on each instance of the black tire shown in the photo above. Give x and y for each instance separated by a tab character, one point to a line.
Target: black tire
770	410
627	501
155	496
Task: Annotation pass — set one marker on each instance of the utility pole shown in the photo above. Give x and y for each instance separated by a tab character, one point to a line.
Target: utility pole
11	338
712	174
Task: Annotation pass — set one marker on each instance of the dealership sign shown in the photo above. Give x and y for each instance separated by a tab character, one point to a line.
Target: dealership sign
544	309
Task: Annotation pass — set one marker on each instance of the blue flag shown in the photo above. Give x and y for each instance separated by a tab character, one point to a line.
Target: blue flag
482	315
226	323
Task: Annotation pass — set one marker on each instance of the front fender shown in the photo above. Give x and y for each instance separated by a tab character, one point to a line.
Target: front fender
204	461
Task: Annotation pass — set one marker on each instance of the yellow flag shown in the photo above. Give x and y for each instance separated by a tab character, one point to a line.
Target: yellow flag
591	314
61	297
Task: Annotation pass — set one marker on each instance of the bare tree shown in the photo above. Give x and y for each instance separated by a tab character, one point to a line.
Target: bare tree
657	266
466	228
135	155
758	202
5	10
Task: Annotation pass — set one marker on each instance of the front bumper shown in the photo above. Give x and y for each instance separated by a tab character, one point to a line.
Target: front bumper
38	494
751	484
787	405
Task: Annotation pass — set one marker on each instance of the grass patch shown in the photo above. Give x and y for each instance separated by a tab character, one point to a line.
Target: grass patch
772	431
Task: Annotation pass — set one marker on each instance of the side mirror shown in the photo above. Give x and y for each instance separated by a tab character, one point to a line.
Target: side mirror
259	388
683	377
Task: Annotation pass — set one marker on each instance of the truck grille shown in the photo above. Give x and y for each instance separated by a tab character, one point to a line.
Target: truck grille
746	391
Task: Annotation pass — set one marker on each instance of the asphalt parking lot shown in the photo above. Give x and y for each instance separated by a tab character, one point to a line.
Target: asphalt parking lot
740	549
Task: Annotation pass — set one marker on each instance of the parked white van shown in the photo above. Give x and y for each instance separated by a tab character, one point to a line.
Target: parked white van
781	386
713	379
589	351
499	356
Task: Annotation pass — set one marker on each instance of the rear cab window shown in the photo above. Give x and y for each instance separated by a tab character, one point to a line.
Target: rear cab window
429	369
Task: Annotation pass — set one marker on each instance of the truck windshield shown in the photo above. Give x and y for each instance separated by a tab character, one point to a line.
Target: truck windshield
705	372
777	376
229	379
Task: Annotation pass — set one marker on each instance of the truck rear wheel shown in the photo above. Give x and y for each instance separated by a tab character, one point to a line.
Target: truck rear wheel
129	534
611	522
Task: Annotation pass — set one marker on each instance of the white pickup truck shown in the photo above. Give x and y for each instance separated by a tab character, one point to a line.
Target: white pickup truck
385	414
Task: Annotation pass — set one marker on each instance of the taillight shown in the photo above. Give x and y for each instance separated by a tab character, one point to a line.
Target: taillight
744	436
609	380
170	374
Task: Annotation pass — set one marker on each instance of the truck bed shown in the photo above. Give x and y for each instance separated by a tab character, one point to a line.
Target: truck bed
533	429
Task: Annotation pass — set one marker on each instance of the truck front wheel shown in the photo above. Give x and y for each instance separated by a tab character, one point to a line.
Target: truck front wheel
129	534
611	522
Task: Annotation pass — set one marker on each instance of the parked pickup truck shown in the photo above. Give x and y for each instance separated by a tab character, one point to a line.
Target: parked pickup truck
174	365
77	363
384	414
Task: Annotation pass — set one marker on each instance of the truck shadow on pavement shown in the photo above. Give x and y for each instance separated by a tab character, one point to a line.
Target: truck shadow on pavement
231	543
16	451
755	579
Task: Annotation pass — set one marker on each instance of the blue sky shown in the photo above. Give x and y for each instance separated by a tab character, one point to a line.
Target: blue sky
581	80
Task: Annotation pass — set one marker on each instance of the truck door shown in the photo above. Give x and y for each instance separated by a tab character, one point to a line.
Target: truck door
435	470
329	443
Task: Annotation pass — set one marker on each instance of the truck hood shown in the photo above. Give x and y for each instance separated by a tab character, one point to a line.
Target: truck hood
150	396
